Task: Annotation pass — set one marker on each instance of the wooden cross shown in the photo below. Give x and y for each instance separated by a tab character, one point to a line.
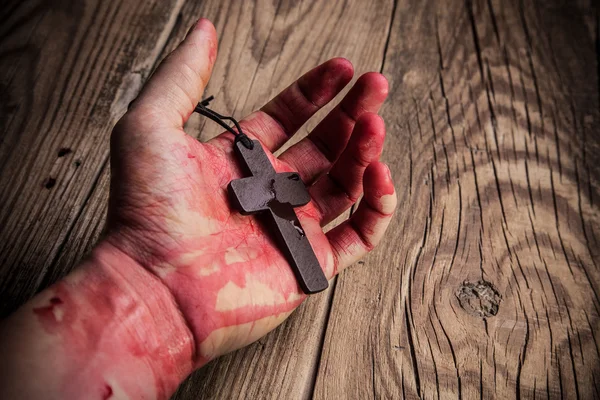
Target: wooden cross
276	195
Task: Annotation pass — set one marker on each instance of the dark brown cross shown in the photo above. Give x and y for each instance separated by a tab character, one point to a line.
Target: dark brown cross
276	194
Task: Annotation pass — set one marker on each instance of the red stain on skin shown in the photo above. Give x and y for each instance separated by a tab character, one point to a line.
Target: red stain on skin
49	315
110	328
196	191
241	233
191	156
201	260
55	301
327	80
196	245
384	190
378	180
107	392
45	313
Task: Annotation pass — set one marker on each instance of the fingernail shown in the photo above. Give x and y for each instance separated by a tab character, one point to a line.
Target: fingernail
199	24
202	23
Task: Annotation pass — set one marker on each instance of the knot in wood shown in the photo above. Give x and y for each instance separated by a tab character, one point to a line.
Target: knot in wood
480	299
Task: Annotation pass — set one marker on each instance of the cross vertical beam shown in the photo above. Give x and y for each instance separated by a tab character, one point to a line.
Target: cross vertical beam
276	195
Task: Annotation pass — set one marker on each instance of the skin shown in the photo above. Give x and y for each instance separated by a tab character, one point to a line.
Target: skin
180	277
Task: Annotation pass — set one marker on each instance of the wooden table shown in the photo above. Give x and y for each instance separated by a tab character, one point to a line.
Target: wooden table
487	283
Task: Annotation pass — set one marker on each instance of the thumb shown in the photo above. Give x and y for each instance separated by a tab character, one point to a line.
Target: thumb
176	86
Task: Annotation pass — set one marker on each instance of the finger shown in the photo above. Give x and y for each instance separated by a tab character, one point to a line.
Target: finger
281	117
357	236
176	87
315	154
336	191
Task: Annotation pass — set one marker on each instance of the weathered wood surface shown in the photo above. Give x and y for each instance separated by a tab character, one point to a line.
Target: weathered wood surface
493	125
488	283
67	72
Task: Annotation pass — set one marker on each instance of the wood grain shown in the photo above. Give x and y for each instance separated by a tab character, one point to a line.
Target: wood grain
67	72
487	285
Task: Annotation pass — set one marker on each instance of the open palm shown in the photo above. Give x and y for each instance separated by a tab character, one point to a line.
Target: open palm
169	208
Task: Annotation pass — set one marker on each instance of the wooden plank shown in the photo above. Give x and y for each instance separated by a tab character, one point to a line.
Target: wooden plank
487	284
67	72
263	48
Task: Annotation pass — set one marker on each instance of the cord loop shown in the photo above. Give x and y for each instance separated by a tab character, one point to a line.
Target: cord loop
240	136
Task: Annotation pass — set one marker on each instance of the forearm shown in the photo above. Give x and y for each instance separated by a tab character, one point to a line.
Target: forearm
108	330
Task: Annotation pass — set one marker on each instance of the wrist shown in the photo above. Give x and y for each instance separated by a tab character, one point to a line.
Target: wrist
110	329
149	327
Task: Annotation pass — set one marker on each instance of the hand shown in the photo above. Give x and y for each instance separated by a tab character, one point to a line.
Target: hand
169	209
